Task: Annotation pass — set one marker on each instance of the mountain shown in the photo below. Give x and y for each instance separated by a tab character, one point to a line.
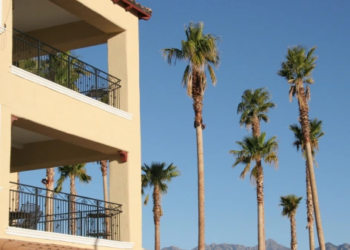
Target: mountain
270	245
330	246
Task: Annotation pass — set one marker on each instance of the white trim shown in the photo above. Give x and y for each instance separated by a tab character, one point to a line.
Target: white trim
68	238
68	92
1	188
2	29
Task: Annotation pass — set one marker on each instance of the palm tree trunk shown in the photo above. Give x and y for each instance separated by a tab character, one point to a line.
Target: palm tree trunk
310	210
156	217
50	173
260	199
72	205
256	133
105	194
18	193
305	125
197	95
293	227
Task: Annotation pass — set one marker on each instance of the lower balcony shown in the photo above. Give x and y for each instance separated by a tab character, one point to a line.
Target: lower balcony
40	209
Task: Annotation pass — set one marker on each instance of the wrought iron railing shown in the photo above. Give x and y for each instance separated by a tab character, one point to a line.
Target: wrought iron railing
65	69
44	210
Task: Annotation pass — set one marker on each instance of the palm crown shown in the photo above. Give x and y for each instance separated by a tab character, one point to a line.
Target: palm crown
157	175
76	170
297	69
315	134
254	103
290	204
201	52
254	148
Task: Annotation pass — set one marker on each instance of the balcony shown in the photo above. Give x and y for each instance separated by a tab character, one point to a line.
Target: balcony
43	210
64	69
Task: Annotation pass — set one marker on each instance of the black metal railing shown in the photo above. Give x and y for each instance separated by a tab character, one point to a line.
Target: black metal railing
65	69
44	210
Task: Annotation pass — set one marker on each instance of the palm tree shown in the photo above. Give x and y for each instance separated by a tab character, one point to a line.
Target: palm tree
297	70
75	171
255	148
49	182
104	169
315	133
156	176
253	108
290	205
200	51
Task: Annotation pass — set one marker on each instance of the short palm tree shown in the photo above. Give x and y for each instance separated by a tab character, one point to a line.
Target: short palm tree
297	71
104	171
255	149
49	182
75	171
315	134
201	53
156	176
290	205
254	107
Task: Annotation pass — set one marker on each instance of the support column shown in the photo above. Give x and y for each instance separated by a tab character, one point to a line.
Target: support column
5	153
125	177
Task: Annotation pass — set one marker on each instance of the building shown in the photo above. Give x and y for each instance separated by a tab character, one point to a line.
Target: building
57	110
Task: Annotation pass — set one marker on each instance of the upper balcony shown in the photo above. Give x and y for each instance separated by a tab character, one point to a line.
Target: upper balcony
64	69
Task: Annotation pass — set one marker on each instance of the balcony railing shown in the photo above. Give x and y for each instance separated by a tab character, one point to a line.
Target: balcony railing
44	210
64	69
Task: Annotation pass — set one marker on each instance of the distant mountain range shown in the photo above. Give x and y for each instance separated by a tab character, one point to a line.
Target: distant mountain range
270	245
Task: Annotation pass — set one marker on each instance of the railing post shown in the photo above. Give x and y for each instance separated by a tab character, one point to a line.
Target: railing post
96	83
68	213
39	60
81	223
98	221
36	208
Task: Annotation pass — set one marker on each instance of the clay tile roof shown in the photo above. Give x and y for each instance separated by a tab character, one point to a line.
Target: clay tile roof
143	12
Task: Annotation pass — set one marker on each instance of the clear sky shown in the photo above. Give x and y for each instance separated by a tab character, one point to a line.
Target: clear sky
255	36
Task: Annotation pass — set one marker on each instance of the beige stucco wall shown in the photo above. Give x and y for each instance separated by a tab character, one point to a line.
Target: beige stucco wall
28	100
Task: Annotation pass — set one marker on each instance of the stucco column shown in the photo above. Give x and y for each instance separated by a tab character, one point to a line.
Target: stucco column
125	178
5	152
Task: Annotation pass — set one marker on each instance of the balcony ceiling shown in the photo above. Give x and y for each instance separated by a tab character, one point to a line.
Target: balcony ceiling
20	136
39	14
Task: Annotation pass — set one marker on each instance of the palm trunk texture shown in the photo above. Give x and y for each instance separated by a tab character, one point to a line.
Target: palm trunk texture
260	199
310	210
293	230
72	205
197	95
50	173
156	217
256	133
305	125
105	194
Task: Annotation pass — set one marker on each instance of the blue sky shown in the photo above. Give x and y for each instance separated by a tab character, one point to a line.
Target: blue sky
255	36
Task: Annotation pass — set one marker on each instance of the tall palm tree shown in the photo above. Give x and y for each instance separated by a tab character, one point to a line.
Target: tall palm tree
49	182
156	176
297	71
201	53
256	148
253	108
290	205
315	134
75	171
